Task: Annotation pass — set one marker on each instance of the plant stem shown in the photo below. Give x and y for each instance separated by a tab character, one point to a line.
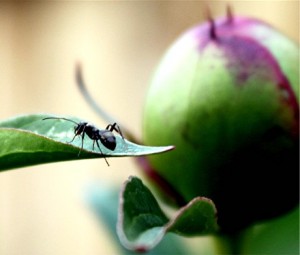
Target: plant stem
229	244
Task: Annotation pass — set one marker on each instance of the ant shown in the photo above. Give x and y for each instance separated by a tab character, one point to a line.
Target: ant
105	136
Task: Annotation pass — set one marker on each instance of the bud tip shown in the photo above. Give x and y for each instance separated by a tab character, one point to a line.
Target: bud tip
229	13
212	28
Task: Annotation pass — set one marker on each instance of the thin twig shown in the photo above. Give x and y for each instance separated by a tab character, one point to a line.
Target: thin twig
96	107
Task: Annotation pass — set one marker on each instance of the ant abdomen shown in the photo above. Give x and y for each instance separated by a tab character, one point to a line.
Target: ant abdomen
108	140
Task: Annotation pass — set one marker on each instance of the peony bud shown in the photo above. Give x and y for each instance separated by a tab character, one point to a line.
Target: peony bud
225	96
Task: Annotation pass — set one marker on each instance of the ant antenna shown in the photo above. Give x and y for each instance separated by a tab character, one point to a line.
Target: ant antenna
56	118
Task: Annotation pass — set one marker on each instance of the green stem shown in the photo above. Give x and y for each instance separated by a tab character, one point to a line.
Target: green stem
229	244
98	109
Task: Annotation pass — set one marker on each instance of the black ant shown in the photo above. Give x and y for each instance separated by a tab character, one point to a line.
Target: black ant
105	136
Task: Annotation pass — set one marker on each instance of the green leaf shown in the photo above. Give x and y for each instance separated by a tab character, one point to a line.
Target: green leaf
142	224
30	140
197	218
103	200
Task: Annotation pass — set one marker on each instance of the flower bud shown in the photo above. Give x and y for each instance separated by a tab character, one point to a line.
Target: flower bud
225	96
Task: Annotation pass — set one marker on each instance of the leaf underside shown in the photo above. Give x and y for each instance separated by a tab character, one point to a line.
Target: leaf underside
30	140
142	224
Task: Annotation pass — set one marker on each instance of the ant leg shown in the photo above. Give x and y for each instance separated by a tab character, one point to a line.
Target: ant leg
73	138
101	152
115	127
109	127
78	133
81	145
82	138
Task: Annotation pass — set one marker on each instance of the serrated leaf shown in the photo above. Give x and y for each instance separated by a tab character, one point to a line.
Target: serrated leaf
142	224
28	140
103	200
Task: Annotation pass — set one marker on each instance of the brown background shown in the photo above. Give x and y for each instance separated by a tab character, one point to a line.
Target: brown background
42	210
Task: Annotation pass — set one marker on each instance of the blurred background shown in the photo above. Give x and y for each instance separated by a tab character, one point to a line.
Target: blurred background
119	44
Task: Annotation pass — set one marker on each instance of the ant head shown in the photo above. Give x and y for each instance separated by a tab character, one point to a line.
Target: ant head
108	140
79	129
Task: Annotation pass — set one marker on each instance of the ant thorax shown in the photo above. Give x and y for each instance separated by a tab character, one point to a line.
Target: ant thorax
91	131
